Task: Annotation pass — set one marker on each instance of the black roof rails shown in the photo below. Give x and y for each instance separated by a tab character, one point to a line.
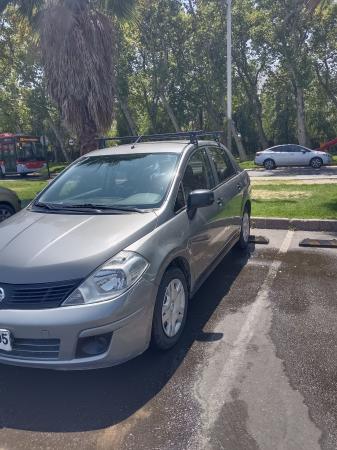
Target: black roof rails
192	136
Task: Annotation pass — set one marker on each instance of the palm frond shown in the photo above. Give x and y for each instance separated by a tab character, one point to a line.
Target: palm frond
77	53
119	8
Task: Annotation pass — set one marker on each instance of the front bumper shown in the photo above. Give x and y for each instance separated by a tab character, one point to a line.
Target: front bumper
128	318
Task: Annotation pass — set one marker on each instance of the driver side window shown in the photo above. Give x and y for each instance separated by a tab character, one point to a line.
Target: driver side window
198	173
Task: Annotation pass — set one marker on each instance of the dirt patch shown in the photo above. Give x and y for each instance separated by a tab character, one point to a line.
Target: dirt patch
264	194
307	182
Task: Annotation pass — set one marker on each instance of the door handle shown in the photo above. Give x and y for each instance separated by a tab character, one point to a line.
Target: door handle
239	186
219	202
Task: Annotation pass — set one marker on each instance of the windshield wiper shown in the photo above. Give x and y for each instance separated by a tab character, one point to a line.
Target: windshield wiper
102	207
50	206
127	208
86	206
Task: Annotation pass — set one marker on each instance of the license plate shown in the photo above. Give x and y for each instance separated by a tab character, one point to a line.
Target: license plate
5	341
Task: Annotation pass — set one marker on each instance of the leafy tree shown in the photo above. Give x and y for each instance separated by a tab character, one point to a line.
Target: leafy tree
77	51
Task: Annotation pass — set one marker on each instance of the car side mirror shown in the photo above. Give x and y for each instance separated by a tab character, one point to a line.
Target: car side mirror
199	199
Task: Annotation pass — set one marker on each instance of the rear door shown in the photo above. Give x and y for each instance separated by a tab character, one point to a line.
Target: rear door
229	192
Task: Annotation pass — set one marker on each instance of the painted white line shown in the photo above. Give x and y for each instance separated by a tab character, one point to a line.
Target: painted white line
217	379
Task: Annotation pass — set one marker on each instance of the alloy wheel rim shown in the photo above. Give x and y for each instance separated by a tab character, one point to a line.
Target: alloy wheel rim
173	309
269	165
245	227
316	163
4	214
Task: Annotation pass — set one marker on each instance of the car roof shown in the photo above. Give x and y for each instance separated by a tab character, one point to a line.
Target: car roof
149	147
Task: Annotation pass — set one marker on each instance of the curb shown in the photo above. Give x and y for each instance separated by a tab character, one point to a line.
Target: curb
294	224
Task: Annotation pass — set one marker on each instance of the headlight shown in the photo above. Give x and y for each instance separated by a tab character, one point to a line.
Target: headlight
109	281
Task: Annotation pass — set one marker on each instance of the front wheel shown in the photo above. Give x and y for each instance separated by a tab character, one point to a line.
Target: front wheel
170	310
6	212
245	230
316	163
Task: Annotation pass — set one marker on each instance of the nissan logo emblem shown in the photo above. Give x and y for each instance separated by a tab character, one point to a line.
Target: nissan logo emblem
2	294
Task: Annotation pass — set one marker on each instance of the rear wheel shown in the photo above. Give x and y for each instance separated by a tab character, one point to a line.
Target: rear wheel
2	175
23	175
269	164
6	211
316	163
245	230
170	310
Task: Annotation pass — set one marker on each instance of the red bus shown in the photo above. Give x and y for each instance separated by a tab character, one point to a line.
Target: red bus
20	154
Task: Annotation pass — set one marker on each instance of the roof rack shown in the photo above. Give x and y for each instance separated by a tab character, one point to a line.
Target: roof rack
192	136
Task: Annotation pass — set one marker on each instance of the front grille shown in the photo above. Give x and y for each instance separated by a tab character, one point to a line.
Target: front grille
33	349
36	296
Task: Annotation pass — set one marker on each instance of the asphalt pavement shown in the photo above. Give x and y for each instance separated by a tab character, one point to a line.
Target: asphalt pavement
256	369
296	173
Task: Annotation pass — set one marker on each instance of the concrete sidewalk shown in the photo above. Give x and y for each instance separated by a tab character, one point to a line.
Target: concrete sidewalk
279	223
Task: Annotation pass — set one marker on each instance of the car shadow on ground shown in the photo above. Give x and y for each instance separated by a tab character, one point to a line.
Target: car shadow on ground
53	401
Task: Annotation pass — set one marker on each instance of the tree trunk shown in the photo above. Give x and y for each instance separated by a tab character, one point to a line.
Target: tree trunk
261	133
88	138
301	127
237	138
60	140
170	112
326	87
127	114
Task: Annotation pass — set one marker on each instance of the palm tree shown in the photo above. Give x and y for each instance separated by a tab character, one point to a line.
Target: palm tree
76	39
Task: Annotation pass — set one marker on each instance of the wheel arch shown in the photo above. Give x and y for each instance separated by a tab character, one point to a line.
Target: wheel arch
181	263
6	203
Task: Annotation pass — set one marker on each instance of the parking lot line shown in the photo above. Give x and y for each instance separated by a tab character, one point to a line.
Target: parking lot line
220	376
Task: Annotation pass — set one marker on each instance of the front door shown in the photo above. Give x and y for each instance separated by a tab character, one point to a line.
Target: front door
202	242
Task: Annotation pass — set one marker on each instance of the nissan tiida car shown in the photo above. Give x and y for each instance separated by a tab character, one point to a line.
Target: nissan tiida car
104	261
292	155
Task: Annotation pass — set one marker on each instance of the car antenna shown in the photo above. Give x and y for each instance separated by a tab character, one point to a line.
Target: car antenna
136	142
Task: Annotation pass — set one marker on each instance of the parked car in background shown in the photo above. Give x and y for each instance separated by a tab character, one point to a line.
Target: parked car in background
291	155
117	244
9	203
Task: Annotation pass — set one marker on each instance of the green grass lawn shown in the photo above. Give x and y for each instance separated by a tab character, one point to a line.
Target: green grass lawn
26	189
294	200
248	165
57	167
290	199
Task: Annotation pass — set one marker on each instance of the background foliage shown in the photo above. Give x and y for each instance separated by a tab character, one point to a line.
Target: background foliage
170	72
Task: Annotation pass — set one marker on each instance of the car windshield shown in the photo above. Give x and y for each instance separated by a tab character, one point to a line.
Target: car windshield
113	181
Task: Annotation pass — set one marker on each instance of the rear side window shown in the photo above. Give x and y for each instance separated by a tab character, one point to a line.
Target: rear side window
222	164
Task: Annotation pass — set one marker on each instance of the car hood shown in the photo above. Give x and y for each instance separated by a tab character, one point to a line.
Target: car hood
39	248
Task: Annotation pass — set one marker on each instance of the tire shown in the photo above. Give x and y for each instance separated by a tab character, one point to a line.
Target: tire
6	211
23	175
245	230
316	163
2	175
269	164
164	317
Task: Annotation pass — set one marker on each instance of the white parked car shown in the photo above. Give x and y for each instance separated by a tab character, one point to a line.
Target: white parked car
291	155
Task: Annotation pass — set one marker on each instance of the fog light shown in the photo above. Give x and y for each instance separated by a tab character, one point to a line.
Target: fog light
93	345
